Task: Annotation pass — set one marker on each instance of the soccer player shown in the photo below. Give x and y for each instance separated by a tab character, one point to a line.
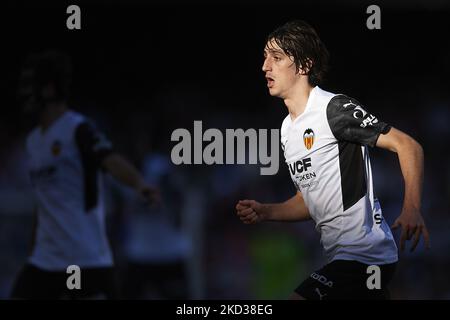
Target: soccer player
67	157
325	140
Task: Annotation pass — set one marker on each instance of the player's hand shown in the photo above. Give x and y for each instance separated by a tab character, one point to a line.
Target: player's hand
150	195
250	211
412	225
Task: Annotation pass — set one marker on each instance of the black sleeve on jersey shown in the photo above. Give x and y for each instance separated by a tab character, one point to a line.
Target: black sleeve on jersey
349	121
93	147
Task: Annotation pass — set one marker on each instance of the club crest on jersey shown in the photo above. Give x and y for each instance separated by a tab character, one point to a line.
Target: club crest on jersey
308	138
56	148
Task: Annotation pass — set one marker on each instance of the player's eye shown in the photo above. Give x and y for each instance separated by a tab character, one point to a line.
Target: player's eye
277	58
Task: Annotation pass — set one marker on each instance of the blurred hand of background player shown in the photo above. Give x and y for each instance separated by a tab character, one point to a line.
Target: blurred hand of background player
150	194
412	225
122	170
250	211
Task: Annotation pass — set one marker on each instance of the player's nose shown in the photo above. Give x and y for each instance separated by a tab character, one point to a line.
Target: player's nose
266	65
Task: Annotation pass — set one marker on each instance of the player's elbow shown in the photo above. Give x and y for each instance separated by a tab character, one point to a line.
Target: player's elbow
408	143
417	146
414	145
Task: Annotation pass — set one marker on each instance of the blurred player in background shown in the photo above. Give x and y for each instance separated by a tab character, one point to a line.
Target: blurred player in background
324	139
67	158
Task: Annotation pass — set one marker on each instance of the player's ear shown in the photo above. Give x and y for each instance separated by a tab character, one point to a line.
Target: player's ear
304	70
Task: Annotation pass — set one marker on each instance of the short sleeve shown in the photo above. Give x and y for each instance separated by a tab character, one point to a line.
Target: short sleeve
94	146
350	121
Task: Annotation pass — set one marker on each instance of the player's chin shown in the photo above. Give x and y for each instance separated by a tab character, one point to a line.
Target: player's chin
273	92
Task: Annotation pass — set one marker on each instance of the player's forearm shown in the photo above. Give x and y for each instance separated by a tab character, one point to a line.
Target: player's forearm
293	209
122	170
411	159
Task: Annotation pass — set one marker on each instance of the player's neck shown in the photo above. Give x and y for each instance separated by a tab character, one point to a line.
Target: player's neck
297	100
52	112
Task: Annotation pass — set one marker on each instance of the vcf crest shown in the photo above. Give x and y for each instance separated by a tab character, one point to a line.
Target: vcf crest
308	138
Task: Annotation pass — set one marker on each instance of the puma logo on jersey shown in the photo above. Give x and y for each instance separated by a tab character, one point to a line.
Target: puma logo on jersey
346	105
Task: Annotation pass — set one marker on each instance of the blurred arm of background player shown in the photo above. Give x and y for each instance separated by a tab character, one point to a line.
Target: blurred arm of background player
294	209
123	171
411	158
97	151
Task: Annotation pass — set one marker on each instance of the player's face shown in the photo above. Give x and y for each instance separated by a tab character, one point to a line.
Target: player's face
32	98
280	70
26	92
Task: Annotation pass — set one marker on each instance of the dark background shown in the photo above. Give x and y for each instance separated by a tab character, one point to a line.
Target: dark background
142	70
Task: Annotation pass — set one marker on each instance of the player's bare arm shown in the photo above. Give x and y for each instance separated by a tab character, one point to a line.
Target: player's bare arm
411	158
122	170
294	209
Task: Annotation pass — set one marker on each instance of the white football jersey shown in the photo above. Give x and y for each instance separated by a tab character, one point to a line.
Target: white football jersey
64	170
327	155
